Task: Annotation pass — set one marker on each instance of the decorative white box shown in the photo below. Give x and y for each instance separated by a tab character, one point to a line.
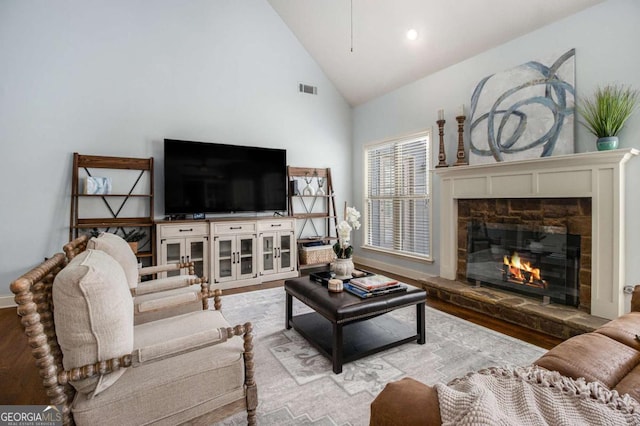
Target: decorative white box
97	185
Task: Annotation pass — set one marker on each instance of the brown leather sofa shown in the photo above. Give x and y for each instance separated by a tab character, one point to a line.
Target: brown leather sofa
609	355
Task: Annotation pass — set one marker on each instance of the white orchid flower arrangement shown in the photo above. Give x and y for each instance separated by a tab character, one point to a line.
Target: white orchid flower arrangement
343	248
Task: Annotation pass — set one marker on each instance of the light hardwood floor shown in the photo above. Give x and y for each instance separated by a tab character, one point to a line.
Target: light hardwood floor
21	385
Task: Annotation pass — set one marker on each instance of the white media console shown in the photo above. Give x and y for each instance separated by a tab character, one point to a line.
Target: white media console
231	252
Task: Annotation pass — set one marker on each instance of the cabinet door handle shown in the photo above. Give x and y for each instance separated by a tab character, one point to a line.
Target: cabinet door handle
181	259
188	259
186	230
233	258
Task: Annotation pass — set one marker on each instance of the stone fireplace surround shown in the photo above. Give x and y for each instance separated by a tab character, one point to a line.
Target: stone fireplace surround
598	176
572	215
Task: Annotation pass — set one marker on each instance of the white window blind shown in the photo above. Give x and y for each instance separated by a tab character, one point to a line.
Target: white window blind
398	196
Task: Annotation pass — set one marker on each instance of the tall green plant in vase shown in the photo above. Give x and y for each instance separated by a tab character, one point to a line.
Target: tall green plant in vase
606	112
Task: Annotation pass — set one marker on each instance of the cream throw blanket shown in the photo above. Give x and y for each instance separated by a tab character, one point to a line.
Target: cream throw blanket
532	396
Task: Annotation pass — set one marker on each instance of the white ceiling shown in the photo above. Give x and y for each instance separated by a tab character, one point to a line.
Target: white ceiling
383	59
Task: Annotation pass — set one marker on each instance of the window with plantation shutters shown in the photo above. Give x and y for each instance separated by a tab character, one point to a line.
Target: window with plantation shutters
398	198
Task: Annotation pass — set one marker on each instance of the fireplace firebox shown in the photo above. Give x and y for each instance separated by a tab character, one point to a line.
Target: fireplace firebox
539	261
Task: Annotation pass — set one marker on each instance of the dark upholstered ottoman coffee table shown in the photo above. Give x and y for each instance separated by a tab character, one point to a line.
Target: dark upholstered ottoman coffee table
345	327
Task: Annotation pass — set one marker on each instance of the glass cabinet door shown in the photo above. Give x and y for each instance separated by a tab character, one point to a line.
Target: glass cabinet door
247	256
285	254
225	258
173	253
197	253
268	264
276	252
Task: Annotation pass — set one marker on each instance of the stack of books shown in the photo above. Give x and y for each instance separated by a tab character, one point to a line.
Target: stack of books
374	285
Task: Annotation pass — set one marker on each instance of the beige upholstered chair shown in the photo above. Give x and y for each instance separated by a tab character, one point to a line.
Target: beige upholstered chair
104	370
153	298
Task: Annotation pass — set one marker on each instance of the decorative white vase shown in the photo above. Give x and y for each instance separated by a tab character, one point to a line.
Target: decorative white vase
342	268
308	190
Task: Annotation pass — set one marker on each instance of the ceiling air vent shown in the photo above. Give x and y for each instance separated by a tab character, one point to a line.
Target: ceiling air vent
306	88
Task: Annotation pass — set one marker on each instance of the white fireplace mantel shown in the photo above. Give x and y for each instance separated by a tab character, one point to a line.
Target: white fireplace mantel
595	175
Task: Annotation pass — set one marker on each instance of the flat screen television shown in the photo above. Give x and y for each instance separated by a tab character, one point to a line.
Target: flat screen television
202	177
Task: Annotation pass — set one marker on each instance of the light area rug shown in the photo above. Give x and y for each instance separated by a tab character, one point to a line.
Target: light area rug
296	385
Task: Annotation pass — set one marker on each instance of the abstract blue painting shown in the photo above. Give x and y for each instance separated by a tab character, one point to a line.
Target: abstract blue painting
525	112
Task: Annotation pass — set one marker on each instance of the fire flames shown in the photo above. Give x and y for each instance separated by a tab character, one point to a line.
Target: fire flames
520	271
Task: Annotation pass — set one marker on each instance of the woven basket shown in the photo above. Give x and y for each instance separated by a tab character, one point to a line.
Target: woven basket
316	254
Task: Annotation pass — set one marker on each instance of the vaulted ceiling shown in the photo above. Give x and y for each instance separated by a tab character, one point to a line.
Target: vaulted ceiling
363	48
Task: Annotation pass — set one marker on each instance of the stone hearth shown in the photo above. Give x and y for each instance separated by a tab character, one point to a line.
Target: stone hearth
556	320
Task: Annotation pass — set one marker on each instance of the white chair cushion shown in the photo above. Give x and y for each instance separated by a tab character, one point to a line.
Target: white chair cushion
116	247
170	391
93	316
176	389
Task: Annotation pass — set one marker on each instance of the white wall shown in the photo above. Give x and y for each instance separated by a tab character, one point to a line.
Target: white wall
107	77
605	38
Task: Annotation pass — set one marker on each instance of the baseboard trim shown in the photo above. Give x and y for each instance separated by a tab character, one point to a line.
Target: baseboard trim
7	302
395	269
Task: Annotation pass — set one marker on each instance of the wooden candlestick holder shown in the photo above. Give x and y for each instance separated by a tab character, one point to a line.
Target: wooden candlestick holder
462	159
442	157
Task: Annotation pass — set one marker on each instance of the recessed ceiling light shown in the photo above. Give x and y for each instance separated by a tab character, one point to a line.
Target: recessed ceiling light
412	34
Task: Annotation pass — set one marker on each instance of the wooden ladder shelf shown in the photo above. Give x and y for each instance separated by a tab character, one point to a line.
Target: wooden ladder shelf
312	204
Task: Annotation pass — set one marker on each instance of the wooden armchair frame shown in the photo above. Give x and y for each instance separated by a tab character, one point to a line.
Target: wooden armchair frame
33	295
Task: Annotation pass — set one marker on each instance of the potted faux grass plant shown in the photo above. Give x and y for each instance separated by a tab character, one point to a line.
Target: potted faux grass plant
606	112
